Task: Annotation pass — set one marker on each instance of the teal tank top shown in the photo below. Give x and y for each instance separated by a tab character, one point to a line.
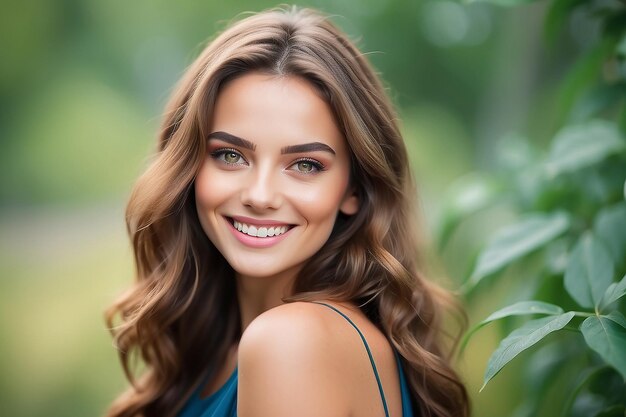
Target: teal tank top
223	402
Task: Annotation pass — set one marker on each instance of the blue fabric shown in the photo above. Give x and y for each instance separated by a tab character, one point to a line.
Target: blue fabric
223	402
407	408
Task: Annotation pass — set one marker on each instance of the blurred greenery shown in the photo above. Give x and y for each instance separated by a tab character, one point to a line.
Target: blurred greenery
82	85
566	248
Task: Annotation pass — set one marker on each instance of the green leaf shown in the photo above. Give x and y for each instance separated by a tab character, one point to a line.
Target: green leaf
614	292
617	317
467	195
518	309
579	146
521	339
607	336
597	100
525	307
609	225
585	72
517	240
589	271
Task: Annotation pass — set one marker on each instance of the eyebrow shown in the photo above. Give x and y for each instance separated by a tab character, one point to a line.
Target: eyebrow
233	140
305	147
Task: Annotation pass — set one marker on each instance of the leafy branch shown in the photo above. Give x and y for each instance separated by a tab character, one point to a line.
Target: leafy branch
571	215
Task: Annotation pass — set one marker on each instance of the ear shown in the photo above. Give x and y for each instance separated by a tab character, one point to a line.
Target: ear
350	203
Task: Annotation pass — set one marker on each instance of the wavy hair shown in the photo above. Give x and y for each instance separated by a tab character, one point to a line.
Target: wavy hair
182	313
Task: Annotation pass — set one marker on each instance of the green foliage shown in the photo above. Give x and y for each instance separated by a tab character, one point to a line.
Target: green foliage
517	240
523	338
606	335
570	227
468	195
517	309
613	293
579	146
589	271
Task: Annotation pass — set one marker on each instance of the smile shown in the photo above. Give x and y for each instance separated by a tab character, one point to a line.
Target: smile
255	234
259	231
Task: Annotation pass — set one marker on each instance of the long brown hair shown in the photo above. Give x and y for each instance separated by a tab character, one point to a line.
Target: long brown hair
182	314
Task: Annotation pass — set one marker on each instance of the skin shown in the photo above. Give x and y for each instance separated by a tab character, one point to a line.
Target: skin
272	113
296	358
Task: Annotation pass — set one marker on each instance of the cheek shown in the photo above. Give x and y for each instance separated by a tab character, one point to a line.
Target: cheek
209	195
209	190
320	203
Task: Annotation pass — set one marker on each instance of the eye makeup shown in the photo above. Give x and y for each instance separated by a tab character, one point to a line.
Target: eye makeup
317	165
222	154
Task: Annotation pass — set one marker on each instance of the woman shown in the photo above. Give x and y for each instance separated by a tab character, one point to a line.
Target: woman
274	242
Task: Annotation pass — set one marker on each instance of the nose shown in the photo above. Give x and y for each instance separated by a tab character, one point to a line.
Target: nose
260	191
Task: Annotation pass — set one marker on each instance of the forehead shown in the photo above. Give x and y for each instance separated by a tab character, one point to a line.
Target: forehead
268	109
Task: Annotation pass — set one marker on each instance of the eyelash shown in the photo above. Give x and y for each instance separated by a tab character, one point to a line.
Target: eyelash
222	151
319	167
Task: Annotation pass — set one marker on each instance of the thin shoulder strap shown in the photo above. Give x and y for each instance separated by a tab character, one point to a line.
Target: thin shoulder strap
369	353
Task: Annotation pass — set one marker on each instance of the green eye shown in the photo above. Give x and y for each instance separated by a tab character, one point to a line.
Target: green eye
231	157
228	156
305	166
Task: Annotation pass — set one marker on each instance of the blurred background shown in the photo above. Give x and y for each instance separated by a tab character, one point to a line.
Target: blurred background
82	87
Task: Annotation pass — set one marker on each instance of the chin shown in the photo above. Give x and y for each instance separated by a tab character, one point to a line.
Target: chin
253	272
250	268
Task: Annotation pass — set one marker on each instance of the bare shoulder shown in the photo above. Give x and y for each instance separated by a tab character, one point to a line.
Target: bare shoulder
303	359
289	314
290	364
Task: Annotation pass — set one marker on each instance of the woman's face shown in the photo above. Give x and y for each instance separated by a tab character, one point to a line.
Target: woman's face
275	176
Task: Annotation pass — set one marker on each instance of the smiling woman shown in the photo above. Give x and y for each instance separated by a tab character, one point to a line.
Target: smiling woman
275	243
280	178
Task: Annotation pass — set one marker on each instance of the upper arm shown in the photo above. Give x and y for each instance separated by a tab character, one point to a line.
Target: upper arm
287	367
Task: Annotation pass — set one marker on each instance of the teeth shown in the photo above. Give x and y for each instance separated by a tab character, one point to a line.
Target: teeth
262	231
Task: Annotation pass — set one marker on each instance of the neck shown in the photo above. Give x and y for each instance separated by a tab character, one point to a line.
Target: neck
259	294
